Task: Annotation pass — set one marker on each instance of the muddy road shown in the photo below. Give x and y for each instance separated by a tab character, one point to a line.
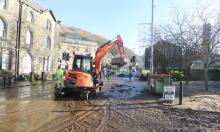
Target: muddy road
121	106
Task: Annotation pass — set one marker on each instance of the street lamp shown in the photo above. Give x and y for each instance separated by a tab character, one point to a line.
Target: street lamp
152	37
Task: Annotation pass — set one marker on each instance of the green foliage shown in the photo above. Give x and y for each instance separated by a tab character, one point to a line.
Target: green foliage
108	66
178	75
217	70
36	76
214	74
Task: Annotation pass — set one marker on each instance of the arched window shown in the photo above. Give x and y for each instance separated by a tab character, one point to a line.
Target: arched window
2	28
6	59
26	63
29	39
30	16
47	42
2	4
46	63
48	26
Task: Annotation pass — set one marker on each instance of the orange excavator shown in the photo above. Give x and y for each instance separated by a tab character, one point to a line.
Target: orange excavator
85	75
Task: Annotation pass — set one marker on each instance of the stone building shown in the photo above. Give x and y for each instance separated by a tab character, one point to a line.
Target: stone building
8	29
166	55
38	37
42	39
70	41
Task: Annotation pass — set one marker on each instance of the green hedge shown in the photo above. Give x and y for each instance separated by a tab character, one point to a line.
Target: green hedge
178	74
195	74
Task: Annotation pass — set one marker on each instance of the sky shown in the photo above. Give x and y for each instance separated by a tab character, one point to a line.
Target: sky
110	18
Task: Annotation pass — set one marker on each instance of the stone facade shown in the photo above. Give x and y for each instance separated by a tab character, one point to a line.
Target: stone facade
70	42
42	40
38	38
8	20
41	47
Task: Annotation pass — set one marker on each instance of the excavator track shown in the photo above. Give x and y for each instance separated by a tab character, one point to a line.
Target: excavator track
84	95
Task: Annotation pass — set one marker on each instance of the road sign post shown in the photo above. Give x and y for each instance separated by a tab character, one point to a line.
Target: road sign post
181	93
169	94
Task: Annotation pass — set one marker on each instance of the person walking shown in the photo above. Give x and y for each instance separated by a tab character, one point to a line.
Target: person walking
130	75
59	74
59	77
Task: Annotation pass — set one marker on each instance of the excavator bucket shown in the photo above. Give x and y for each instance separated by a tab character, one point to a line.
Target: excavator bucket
118	61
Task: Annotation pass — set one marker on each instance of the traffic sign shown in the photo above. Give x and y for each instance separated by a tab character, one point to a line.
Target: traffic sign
169	93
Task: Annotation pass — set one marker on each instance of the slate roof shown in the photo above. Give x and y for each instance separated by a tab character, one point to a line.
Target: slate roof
33	4
36	6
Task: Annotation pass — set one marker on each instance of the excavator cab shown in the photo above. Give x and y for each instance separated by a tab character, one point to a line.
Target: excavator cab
83	63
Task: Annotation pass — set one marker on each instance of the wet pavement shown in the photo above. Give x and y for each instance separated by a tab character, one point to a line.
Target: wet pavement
122	105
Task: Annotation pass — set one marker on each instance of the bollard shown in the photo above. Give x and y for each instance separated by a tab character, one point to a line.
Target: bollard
42	76
4	81
12	82
31	77
181	93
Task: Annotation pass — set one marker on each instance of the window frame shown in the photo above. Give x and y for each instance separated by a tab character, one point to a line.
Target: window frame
9	59
26	57
3	28
86	62
4	6
30	41
30	17
49	25
47	42
45	66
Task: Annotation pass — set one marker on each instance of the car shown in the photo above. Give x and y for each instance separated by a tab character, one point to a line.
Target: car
122	75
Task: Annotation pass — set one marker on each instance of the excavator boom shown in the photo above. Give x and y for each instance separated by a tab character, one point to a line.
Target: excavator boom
103	50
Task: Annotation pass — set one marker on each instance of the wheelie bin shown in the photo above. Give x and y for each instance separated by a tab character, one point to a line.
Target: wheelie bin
158	81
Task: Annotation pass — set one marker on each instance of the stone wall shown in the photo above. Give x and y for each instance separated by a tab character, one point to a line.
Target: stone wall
80	46
39	33
9	16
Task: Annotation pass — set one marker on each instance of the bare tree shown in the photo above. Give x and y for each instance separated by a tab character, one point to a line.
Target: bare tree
210	45
165	54
196	37
161	49
186	35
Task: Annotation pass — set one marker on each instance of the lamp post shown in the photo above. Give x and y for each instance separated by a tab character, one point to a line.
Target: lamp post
18	40
152	38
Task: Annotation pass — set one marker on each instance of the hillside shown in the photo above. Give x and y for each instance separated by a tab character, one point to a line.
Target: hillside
91	37
85	35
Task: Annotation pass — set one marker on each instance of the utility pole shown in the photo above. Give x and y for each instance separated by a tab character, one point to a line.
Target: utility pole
152	37
219	14
18	39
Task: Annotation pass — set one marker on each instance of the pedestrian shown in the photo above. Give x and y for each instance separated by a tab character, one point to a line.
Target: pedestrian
59	73
130	75
105	73
108	73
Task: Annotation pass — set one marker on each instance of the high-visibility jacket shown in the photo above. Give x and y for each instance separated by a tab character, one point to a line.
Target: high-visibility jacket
59	74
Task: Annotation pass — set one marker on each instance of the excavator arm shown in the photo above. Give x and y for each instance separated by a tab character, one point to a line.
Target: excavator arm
103	50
